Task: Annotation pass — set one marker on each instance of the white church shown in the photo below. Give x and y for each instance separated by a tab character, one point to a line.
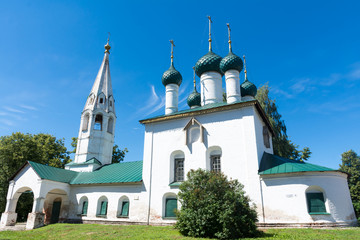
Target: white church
233	137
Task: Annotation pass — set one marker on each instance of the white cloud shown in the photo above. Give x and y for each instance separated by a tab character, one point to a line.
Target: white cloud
7	122
154	103
278	91
28	107
10	109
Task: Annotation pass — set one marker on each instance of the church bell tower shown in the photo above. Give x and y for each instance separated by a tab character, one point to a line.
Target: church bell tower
97	125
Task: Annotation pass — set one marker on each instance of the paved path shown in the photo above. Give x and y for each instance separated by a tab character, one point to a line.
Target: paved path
17	227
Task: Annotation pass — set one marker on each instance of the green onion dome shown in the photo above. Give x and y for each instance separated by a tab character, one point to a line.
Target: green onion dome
231	62
194	99
247	88
208	62
171	76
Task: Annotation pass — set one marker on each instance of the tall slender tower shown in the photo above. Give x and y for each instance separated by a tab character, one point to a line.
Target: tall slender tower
96	134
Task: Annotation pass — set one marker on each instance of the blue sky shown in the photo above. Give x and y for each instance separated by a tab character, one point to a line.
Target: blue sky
307	51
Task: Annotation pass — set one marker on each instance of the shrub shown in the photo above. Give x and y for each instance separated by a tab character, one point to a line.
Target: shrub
213	206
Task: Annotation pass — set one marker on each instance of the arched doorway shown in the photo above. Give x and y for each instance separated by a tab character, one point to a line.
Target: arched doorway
56	206
24	205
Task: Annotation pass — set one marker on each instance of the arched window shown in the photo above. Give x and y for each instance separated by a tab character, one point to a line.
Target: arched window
110	125
123	207
179	169
177	164
266	136
83	205
215	163
85	123
315	200
98	122
102	207
170	205
215	158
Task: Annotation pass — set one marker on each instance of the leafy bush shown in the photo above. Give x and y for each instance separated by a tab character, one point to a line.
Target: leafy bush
213	206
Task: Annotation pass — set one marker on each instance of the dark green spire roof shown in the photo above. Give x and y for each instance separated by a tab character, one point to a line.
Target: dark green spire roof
171	76
194	99
231	62
208	62
247	88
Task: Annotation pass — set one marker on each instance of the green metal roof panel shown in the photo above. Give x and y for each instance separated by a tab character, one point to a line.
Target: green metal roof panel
112	173
93	160
271	164
53	173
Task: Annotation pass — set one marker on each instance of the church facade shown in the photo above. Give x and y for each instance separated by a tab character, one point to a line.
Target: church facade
232	136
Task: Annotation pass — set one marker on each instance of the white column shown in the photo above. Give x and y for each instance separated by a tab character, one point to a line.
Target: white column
171	98
232	81
211	88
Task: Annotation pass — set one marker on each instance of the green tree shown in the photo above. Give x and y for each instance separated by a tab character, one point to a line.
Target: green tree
118	154
282	145
350	163
213	206
17	148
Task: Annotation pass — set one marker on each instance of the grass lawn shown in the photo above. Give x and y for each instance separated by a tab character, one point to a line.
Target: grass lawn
96	231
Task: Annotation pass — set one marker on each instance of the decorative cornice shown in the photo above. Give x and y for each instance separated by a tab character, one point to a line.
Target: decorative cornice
212	110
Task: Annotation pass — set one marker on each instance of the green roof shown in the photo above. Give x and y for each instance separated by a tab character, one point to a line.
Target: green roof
271	164
171	76
231	61
208	62
53	173
113	173
90	161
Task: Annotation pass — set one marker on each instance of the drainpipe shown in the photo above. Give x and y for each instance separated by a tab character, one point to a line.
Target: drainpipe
262	199
151	160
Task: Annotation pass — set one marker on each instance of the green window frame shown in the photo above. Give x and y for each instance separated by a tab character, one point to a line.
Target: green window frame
84	208
170	207
103	208
125	209
316	203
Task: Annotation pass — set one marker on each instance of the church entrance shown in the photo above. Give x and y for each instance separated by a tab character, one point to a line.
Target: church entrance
55	212
24	206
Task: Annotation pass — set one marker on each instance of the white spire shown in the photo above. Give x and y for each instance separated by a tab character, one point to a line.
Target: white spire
96	133
102	87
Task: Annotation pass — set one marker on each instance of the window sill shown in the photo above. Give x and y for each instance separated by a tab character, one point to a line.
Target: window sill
319	213
101	216
122	216
175	184
169	218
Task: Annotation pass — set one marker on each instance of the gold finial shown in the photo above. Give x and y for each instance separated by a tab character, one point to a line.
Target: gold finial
107	46
245	68
194	79
210	49
172	51
229	31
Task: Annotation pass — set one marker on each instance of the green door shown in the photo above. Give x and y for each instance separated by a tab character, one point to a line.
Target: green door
171	207
55	212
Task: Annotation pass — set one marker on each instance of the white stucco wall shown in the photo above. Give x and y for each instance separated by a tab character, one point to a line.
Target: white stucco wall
232	133
135	193
284	198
